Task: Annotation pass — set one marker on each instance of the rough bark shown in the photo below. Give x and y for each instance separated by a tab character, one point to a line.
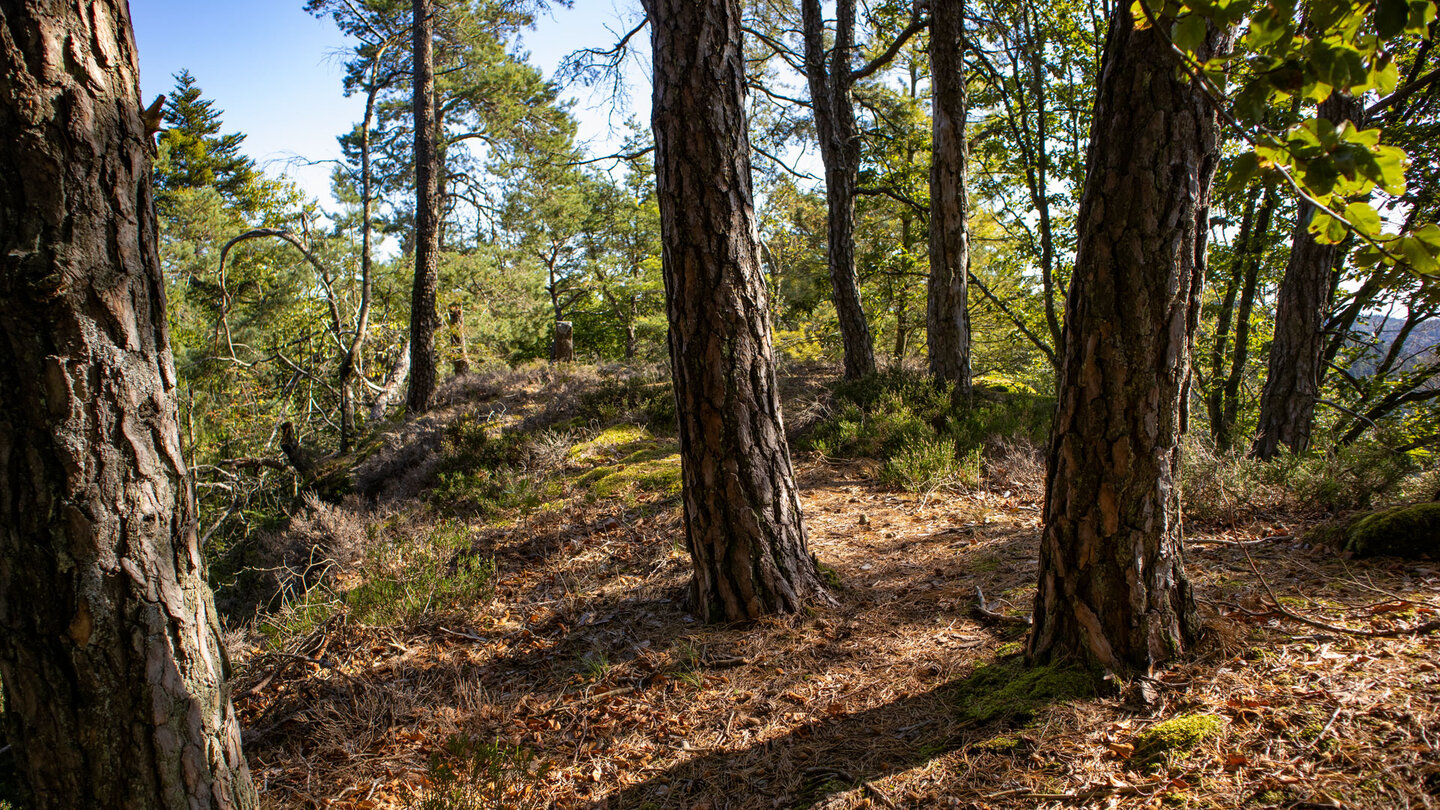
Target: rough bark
1292	384
424	321
947	311
742	510
110	649
829	76
1112	586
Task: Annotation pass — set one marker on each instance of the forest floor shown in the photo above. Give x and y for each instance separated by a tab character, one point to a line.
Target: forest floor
573	677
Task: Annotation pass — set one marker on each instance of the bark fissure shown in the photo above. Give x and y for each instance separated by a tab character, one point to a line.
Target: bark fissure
110	648
1112	587
741	506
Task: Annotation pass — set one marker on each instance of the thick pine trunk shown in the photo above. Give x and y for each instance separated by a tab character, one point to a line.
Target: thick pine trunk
947	313
1292	384
742	510
1112	586
110	649
830	82
424	321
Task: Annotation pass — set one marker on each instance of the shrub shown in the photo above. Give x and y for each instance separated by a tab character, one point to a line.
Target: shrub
470	775
440	574
925	437
1355	476
926	464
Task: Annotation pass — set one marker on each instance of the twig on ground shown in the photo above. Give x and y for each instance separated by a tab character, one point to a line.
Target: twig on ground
1216	541
983	608
1417	630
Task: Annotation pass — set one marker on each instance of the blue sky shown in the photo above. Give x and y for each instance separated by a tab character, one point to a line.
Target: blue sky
275	71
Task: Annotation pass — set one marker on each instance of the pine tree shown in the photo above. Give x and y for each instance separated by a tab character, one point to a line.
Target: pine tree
194	155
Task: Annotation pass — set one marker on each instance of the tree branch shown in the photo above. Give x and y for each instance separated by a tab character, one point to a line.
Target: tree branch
884	59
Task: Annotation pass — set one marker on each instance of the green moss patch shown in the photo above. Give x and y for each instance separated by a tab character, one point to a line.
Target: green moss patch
1012	691
1405	531
1003	744
661	476
611	443
1176	735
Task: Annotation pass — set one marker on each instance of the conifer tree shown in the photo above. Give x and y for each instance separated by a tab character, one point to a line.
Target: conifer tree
194	155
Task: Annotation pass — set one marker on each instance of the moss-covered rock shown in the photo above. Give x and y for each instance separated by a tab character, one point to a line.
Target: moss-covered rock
1176	735
1404	531
1012	691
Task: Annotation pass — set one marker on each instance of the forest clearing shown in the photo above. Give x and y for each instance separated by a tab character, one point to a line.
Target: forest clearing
936	403
577	659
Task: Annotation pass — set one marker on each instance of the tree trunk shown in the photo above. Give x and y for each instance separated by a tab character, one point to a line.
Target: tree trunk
390	389
742	509
840	152
424	321
947	311
350	361
1230	412
1292	385
110	649
459	351
1112	585
563	350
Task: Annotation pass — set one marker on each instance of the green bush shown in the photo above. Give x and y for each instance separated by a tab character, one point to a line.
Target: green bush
928	463
1356	476
646	397
439	575
925	436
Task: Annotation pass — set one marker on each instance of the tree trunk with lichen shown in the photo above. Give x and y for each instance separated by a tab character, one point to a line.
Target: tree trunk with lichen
1112	587
110	648
742	508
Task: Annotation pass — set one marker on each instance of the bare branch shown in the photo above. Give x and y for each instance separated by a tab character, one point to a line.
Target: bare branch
884	59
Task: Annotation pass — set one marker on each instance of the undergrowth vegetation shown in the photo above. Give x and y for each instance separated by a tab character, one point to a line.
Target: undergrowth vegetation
525	540
924	435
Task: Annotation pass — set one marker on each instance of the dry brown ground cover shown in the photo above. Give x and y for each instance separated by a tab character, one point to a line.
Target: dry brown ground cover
583	656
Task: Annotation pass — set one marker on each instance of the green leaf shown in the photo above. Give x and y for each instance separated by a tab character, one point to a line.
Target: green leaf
1422	13
1252	103
1267	27
1142	20
1384	77
1367	256
1325	14
1390	17
1337	65
1242	169
1430	235
1390	169
1189	33
1326	229
1365	218
1420	256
